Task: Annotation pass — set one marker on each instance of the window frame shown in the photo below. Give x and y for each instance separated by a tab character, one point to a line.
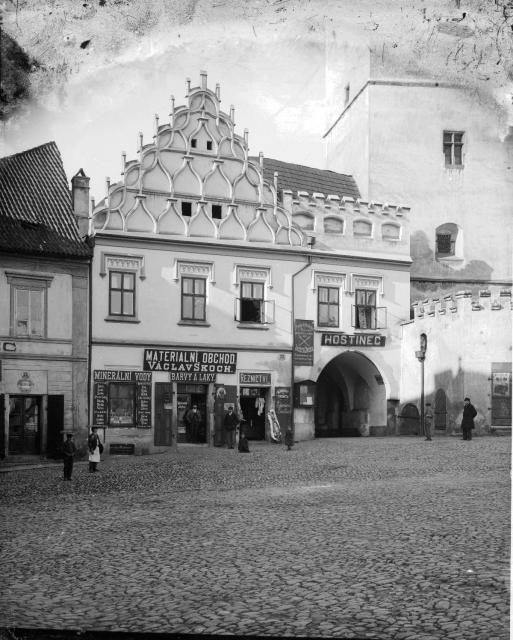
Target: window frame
193	296
378	315
32	283
328	304
261	309
123	273
452	144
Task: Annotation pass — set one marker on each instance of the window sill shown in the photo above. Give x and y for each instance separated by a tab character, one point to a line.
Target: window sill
122	319
193	323
253	325
448	258
458	167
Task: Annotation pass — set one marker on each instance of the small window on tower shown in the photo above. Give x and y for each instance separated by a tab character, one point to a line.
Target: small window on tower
186	209
194	143
217	211
209	145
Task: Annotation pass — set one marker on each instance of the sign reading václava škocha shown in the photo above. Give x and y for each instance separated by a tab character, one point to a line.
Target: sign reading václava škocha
189	361
352	340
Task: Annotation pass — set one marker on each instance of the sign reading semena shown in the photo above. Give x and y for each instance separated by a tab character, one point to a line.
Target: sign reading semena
189	361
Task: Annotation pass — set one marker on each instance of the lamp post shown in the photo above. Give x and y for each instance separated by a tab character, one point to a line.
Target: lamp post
421	356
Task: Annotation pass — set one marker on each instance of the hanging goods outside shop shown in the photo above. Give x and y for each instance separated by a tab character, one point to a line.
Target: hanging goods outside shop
274	426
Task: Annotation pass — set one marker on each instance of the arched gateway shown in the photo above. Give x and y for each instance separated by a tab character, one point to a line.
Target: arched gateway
351	397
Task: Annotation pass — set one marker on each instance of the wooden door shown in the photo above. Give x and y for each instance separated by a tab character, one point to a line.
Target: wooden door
163	414
55	422
440	410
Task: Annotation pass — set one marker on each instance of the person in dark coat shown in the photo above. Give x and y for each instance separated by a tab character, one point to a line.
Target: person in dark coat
467	422
68	453
192	421
230	423
289	439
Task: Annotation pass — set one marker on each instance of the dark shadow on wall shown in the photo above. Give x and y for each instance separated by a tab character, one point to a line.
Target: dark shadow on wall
447	404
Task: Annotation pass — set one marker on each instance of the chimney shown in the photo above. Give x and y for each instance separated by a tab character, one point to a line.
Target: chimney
80	201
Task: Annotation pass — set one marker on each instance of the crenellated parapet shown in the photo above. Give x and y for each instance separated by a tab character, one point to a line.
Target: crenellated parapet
333	219
463	304
196	179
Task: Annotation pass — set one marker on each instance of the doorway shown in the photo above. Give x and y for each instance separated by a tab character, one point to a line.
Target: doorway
24	425
189	396
253	404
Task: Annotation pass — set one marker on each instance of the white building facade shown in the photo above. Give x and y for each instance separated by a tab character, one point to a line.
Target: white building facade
216	286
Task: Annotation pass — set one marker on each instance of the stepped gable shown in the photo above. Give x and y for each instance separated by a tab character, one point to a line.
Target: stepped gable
297	178
196	158
36	214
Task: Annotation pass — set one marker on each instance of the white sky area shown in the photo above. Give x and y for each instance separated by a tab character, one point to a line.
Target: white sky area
276	85
269	58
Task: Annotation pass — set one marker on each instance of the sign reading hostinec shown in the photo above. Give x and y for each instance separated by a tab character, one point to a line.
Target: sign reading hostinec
352	340
190	361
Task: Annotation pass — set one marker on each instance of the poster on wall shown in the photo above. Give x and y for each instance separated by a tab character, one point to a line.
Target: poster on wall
303	343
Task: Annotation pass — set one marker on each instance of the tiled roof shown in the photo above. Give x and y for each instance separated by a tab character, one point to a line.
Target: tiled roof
36	214
297	177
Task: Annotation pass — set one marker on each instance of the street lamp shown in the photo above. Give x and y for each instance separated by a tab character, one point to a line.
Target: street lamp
421	356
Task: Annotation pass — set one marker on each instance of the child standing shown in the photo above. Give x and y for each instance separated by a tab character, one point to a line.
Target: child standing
68	450
289	439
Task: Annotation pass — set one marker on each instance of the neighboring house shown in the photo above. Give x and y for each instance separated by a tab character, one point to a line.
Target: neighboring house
44	265
206	259
440	147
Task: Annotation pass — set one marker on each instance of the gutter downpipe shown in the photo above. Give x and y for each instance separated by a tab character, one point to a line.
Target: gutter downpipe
293	317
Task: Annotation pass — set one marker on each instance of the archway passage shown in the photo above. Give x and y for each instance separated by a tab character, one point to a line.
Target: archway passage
351	398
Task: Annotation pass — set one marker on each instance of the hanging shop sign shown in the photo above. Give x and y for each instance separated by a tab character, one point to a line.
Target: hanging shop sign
303	342
189	365
129	408
282	400
255	378
352	340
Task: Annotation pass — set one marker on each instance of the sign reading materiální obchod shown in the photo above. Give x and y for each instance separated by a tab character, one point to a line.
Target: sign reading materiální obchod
189	361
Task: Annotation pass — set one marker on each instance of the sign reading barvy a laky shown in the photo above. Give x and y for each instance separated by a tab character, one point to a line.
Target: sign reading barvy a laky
352	340
189	361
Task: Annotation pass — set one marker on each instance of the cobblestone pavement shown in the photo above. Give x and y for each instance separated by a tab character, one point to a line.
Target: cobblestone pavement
355	538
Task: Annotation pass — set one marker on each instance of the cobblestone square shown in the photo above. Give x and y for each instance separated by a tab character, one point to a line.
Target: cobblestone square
390	538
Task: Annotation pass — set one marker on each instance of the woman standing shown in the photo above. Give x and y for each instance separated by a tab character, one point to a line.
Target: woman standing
95	449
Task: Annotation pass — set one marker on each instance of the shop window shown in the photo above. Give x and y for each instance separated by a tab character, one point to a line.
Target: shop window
449	242
366	315
217	211
193	298
28	305
186	209
121	404
453	148
328	306
122	294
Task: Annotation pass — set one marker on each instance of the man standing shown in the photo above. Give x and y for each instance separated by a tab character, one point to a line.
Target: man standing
428	420
230	424
467	422
192	421
68	453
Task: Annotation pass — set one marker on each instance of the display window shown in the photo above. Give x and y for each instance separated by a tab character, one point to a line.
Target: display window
121	404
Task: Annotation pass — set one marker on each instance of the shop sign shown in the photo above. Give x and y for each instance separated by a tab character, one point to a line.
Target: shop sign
255	378
190	361
282	400
352	340
303	342
191	376
121	449
25	384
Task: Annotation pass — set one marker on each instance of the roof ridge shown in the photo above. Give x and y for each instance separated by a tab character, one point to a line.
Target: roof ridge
51	144
305	166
